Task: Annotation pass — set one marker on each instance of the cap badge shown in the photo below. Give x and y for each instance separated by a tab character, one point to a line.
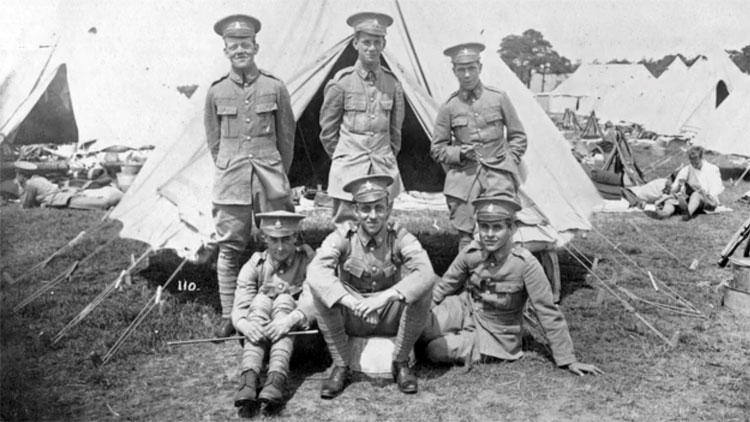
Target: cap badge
277	225
491	208
368	186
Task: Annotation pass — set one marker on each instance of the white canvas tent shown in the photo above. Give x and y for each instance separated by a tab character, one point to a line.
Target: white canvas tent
681	104
633	103
590	84
169	204
78	86
727	130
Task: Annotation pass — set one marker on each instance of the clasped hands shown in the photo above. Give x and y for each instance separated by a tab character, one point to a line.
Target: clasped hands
257	331
368	308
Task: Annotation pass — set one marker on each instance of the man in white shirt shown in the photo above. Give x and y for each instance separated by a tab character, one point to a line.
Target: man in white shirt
696	187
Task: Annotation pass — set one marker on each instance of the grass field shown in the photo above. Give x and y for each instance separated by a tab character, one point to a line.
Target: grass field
705	376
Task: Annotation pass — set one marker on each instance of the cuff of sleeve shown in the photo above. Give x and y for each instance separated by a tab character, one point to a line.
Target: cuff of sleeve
567	360
453	155
333	295
305	320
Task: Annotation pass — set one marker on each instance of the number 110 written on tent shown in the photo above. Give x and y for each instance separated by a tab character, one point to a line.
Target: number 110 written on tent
184	286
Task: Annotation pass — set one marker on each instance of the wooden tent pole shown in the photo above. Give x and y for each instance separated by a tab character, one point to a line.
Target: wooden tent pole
742	176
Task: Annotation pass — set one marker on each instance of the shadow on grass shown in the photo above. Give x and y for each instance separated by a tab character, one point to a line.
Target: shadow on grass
573	273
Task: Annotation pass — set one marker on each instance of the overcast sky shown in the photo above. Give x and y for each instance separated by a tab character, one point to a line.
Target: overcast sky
578	29
633	29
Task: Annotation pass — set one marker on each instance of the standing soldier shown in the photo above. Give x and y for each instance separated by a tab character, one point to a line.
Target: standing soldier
371	278
250	133
272	298
478	138
361	116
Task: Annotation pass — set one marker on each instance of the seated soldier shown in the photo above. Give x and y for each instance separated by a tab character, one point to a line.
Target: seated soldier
37	190
479	303
265	310
370	279
695	189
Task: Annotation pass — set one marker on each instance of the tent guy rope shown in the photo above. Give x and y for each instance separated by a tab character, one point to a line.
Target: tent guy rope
100	298
150	305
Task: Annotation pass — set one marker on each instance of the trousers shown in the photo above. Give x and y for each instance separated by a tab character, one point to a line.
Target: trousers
405	321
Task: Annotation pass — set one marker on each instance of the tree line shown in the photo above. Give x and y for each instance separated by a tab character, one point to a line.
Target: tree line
530	53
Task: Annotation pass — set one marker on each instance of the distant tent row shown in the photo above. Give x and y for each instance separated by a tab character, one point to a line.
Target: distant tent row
678	103
727	130
590	84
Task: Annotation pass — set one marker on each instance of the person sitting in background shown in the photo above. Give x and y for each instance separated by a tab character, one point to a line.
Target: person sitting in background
650	193
696	188
37	190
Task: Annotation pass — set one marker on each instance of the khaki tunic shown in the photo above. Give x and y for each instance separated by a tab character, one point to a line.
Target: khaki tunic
261	274
478	117
350	259
360	127
250	133
496	290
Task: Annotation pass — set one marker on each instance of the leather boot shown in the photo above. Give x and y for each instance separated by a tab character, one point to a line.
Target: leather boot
248	392
225	328
273	391
404	377
335	383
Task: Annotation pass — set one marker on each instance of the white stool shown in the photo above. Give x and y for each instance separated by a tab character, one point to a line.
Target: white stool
372	356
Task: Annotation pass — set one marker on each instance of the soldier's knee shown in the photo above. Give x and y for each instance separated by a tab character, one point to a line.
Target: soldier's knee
448	349
438	351
284	303
260	307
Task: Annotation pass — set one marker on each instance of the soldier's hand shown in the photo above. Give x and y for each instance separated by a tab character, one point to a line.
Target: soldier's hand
581	369
374	303
279	327
350	302
469	152
373	318
255	332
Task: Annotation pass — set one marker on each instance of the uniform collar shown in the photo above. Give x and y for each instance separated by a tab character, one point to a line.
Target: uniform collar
498	256
366	238
248	76
363	72
467	94
283	265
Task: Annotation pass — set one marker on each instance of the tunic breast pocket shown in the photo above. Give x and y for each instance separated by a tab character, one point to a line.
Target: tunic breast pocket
355	110
265	109
227	110
495	123
459	126
386	106
505	296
